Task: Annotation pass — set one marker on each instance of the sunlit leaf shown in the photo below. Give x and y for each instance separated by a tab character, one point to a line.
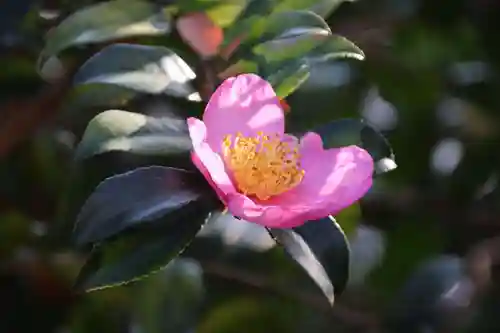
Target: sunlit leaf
322	250
282	24
103	22
222	12
116	130
146	69
321	7
286	61
288	79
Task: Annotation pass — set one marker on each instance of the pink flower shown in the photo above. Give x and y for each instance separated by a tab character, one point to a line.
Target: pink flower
262	174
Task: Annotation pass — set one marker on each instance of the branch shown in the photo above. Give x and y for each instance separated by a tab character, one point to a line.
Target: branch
365	321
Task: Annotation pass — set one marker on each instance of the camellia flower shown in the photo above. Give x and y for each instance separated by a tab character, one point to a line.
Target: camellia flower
264	175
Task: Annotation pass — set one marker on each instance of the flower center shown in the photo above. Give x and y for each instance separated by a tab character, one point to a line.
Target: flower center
263	166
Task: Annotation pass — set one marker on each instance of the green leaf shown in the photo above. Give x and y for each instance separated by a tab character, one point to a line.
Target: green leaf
288	79
251	21
336	47
345	132
320	7
322	250
259	13
286	61
282	24
221	12
133	198
95	95
311	46
139	253
104	22
349	219
116	130
146	69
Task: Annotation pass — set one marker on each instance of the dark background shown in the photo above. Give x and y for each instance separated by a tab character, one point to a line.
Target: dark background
425	241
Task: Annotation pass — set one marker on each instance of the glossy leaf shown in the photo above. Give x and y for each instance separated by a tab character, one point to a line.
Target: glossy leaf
288	79
293	22
139	253
103	22
251	19
127	200
283	24
221	12
347	132
146	69
286	62
322	250
314	46
320	7
116	130
257	15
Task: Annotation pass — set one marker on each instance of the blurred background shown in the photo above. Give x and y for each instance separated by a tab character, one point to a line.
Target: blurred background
425	241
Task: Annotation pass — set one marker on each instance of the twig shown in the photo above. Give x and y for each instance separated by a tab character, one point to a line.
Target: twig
367	322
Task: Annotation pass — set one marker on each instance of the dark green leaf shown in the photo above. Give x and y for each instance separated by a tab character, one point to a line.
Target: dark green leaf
347	132
103	22
133	198
322	250
99	95
139	253
87	174
116	130
146	69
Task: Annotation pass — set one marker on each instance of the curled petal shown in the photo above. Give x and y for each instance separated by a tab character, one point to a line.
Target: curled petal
245	103
334	179
271	216
207	161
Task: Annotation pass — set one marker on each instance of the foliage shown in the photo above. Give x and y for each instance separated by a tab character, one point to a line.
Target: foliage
281	48
84	157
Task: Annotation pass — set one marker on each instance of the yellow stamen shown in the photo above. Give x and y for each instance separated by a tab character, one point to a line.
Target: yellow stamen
262	166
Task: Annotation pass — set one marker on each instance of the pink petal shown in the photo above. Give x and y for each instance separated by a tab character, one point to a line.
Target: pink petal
334	178
207	161
272	216
245	103
198	30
